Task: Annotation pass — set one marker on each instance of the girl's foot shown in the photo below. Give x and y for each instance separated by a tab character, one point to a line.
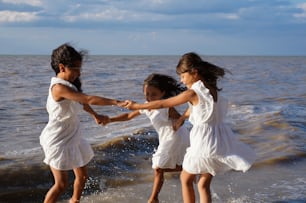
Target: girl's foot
153	201
74	201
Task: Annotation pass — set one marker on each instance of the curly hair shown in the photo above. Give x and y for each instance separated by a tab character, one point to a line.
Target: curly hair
164	83
68	56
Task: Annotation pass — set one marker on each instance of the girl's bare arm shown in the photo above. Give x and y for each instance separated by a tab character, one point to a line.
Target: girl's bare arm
124	117
99	118
173	113
186	96
180	121
60	92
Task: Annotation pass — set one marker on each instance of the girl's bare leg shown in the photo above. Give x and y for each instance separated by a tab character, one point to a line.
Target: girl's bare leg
157	185
204	188
81	177
159	180
60	185
187	187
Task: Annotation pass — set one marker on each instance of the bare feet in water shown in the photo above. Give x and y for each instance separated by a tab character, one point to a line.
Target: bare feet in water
74	201
153	201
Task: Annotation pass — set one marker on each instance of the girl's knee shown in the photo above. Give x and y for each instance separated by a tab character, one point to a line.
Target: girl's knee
85	176
186	178
158	171
62	185
82	179
205	180
81	175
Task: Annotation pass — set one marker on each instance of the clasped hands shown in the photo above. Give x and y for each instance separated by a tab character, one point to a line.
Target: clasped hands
104	119
128	104
131	105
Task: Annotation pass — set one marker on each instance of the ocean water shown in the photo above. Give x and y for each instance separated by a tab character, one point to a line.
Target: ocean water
267	110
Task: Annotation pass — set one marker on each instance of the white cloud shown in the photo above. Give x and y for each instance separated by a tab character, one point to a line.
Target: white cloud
229	16
13	16
158	25
27	2
303	14
110	14
159	13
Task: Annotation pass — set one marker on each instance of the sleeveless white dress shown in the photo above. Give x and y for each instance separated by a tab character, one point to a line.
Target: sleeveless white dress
172	144
213	146
61	139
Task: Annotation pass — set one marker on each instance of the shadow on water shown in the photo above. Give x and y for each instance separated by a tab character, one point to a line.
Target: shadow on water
291	201
116	163
24	183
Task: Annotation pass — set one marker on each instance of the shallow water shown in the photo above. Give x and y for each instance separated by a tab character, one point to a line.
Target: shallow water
267	111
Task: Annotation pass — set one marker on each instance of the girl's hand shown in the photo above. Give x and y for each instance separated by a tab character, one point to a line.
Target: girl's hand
106	121
102	119
122	103
130	105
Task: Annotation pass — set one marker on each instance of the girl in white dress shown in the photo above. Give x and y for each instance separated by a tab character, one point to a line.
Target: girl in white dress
61	139
213	146
172	143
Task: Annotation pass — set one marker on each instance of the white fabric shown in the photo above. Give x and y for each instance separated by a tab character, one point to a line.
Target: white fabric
172	144
213	146
61	139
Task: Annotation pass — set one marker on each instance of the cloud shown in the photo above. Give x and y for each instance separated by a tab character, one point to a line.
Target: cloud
107	14
164	13
159	22
302	14
27	2
13	16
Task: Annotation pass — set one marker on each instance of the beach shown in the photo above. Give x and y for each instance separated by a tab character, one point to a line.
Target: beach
267	110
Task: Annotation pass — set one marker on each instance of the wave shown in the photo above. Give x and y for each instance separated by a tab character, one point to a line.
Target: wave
126	159
117	162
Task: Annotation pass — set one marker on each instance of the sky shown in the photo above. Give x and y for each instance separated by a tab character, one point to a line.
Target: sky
155	27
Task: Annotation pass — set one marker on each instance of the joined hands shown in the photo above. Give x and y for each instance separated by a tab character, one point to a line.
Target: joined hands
101	119
104	119
128	104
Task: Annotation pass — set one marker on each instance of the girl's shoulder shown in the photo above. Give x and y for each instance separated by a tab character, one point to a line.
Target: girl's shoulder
56	80
202	92
199	86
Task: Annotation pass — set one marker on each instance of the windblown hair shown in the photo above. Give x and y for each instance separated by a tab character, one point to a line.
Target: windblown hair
209	72
68	56
164	83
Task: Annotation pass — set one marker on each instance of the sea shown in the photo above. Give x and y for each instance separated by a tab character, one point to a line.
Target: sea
267	111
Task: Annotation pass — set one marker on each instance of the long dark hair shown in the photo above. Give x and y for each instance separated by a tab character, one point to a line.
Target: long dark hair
164	83
209	72
68	56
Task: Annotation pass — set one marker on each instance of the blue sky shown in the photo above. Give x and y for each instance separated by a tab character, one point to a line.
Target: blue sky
144	27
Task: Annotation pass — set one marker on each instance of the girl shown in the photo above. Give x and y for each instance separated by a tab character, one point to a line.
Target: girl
172	144
213	146
61	139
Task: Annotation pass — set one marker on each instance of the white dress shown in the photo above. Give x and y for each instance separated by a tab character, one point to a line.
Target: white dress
172	144
61	139
213	146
